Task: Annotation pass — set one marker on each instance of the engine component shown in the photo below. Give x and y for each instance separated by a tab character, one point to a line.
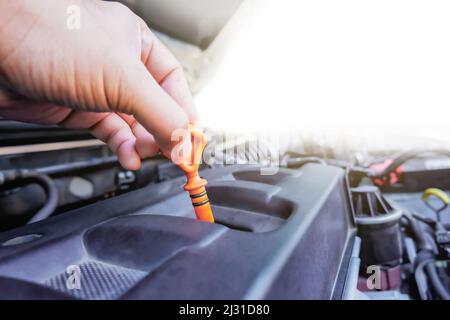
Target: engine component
378	226
295	224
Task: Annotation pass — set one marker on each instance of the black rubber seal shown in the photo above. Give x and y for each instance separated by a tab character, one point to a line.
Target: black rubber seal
198	195
198	204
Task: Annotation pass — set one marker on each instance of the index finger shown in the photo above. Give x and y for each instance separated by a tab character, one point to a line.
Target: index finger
166	70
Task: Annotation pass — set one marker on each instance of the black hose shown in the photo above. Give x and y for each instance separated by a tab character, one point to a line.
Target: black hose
23	177
436	282
426	256
51	191
433	223
417	233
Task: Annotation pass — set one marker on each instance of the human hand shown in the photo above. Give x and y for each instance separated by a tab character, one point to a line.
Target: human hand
111	76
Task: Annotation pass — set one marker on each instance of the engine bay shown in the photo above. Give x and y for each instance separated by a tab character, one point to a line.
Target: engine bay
239	151
316	228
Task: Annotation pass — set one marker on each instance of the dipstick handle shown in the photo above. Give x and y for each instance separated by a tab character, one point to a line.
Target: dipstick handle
196	185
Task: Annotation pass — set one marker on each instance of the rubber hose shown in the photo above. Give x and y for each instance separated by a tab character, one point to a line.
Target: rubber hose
50	190
436	281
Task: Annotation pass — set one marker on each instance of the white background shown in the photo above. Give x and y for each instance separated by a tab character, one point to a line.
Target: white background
351	68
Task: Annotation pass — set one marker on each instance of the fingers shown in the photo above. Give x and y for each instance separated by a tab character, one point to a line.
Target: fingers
145	143
113	130
123	134
154	108
117	134
166	70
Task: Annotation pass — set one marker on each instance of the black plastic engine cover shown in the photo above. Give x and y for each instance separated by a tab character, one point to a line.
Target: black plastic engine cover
283	236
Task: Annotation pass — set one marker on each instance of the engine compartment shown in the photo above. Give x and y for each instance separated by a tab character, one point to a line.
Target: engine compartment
267	233
347	212
315	228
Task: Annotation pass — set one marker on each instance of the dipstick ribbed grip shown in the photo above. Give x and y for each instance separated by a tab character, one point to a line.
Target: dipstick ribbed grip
196	185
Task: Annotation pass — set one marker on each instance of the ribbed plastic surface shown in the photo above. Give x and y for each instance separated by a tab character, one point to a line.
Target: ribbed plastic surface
98	281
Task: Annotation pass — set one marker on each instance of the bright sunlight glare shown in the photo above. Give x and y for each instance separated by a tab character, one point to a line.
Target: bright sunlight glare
346	66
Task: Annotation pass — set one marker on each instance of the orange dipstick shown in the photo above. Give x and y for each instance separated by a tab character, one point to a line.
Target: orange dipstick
196	185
